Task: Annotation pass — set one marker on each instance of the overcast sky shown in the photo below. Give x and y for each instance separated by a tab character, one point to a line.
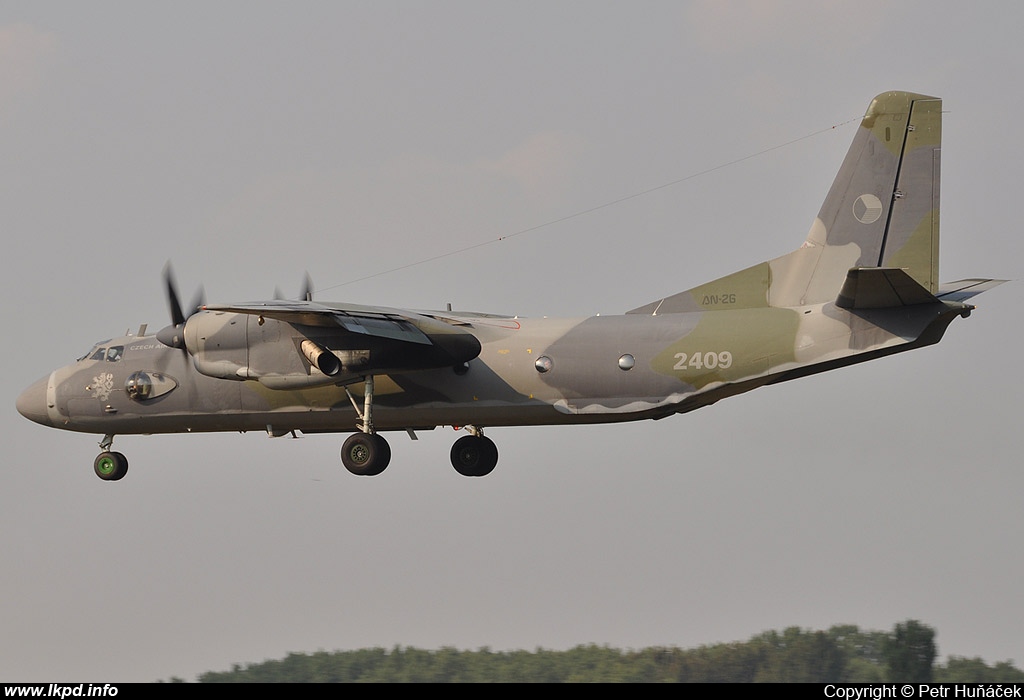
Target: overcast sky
253	142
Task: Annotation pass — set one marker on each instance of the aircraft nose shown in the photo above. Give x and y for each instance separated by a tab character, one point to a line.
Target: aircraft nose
32	403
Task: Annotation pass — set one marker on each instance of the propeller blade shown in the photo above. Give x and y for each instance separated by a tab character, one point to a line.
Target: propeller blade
174	334
198	299
307	289
177	317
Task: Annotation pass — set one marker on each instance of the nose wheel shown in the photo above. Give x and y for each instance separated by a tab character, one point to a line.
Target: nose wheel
110	466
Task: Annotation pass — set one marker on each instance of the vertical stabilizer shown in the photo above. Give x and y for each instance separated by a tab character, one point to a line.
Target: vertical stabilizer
883	208
881	211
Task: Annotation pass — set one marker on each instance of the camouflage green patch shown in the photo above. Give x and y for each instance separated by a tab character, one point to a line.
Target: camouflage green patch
320	398
919	255
887	119
746	289
889	115
926	121
727	346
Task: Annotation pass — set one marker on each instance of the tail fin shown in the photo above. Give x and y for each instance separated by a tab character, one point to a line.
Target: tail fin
882	211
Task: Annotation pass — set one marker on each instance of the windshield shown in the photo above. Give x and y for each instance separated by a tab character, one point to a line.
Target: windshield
103	352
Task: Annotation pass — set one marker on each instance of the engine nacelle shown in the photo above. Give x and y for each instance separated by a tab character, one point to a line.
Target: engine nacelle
288	355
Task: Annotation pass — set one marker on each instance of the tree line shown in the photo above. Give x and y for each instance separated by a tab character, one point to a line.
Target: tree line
842	654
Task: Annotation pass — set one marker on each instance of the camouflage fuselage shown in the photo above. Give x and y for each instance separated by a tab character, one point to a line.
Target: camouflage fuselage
864	284
596	369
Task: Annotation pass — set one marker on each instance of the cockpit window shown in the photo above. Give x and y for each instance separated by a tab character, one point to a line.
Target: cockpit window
111	354
99	352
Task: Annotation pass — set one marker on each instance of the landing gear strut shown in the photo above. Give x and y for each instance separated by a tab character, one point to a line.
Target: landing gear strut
474	455
365	453
110	466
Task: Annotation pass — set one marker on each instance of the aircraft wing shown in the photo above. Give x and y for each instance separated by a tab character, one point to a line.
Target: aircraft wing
380	322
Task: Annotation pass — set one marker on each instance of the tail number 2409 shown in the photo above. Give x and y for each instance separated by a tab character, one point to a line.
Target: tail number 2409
702	360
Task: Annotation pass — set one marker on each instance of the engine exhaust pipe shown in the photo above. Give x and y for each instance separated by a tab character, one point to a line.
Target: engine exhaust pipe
320	357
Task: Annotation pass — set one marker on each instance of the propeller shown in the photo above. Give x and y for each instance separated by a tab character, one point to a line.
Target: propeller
174	334
307	289
305	295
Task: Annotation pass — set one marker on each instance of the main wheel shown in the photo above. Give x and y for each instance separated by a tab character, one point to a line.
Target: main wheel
474	455
365	454
110	466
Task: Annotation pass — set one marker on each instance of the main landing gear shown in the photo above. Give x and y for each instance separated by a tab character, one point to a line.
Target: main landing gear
110	466
474	455
367	453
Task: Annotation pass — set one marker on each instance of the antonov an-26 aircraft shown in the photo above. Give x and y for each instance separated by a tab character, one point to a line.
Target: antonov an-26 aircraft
863	285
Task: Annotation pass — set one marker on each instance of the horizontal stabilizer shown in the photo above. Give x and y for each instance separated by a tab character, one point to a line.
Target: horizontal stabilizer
881	288
962	290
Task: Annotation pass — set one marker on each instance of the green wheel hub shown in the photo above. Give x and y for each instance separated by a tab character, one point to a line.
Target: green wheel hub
106	466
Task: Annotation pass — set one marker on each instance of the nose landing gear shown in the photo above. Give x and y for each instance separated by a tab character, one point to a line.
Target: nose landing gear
110	466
